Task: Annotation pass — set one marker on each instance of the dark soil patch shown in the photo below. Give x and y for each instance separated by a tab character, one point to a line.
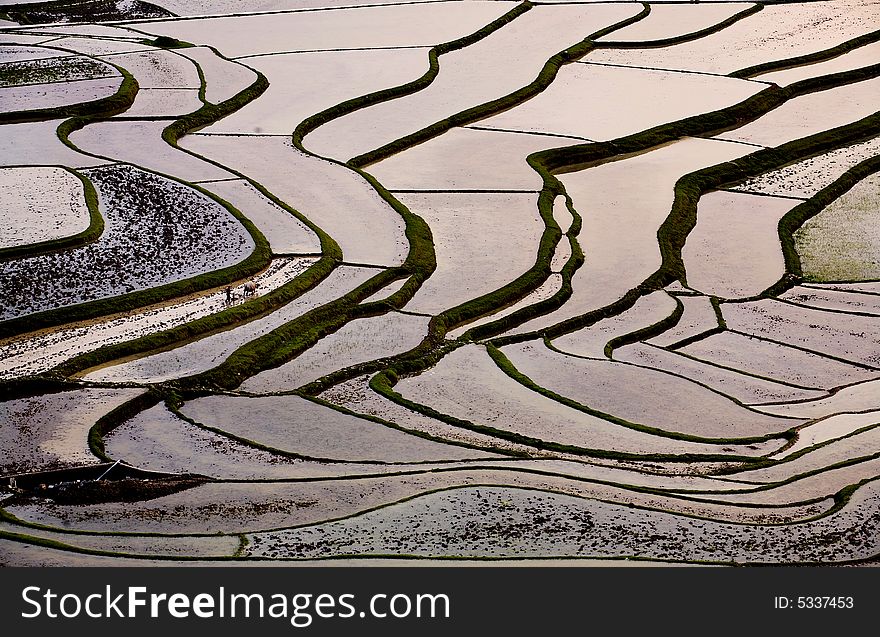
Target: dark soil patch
61	69
90	11
101	491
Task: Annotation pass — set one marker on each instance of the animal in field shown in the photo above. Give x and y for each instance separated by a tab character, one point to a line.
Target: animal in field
250	288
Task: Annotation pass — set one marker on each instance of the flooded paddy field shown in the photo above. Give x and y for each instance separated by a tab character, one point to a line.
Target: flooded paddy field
479	280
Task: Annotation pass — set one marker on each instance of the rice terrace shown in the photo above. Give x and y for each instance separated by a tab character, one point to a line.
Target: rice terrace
419	281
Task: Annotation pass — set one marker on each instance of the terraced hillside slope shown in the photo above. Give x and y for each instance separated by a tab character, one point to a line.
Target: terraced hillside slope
301	280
